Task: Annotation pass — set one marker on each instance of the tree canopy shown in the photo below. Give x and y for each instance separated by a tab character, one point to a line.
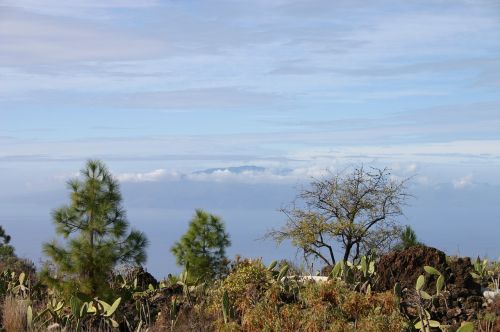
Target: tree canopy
203	247
95	230
347	211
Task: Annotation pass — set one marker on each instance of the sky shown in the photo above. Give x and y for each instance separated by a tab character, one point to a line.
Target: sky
232	106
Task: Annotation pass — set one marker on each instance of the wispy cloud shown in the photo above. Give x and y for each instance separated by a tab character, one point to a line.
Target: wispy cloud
201	98
39	40
300	85
463	182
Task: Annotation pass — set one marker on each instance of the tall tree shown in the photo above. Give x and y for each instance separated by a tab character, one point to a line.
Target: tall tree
203	247
348	211
95	230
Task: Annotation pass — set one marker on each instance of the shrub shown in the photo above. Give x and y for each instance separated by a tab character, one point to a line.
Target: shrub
247	283
263	305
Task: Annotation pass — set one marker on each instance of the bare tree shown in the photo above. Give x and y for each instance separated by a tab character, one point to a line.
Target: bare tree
353	211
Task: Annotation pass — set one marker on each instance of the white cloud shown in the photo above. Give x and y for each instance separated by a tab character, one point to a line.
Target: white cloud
412	168
463	182
153	176
241	177
404	167
264	175
271	174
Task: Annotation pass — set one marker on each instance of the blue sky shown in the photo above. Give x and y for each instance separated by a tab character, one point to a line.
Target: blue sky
162	89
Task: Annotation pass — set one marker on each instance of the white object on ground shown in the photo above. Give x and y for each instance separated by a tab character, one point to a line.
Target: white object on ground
490	295
306	278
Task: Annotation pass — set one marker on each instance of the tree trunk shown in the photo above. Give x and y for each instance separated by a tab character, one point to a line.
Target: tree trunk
332	256
357	251
347	251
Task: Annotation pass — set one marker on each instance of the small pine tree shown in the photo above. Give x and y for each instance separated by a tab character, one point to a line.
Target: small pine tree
203	247
9	260
6	250
95	230
408	238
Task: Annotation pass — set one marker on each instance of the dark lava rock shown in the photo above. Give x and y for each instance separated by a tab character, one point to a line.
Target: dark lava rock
459	277
405	266
459	293
144	278
453	312
474	302
460	301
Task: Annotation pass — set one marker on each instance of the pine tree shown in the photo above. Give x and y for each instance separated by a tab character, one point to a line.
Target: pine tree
408	238
95	230
6	250
203	247
9	260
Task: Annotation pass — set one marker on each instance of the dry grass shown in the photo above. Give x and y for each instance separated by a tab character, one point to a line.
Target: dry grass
14	315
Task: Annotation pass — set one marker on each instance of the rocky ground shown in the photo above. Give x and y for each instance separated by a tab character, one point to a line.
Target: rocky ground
462	298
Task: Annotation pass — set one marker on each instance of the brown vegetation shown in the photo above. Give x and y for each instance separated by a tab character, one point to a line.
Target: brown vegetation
14	314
